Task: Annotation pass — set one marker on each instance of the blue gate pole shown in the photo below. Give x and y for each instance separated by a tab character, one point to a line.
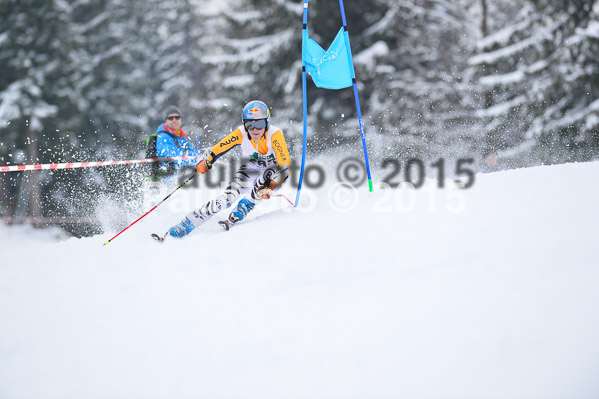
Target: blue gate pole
353	78
305	104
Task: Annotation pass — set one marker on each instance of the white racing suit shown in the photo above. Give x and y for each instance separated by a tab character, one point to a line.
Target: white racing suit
263	159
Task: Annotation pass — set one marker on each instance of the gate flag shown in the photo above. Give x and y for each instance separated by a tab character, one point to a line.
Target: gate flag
329	69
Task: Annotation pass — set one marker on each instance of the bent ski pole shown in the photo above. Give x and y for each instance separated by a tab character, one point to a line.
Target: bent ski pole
155	206
287	199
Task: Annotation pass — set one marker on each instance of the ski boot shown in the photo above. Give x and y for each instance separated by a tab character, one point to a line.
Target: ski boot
182	229
243	208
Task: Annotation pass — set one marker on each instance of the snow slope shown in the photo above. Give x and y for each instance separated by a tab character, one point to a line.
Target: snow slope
490	292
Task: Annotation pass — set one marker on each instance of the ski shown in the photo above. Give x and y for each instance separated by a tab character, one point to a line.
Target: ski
157	238
226	224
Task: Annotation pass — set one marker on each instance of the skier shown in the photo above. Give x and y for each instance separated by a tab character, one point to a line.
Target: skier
265	166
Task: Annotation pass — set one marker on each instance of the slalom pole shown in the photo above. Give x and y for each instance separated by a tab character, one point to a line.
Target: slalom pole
353	78
155	206
305	104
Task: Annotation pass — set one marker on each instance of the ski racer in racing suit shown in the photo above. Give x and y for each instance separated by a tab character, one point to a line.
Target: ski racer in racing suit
265	166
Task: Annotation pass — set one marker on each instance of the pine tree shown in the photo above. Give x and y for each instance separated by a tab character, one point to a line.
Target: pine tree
39	58
414	61
541	70
256	56
142	56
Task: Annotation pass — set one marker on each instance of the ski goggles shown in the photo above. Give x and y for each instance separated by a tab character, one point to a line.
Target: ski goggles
254	124
170	118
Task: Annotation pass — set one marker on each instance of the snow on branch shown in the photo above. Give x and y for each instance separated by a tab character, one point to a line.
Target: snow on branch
501	108
503	79
245	17
257	50
592	30
383	24
517	76
368	56
576	118
238	81
538	37
501	37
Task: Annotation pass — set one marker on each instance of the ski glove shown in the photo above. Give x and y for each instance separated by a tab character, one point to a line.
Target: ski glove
204	166
278	177
264	192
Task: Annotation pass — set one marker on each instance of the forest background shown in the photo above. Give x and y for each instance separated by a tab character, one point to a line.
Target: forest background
86	80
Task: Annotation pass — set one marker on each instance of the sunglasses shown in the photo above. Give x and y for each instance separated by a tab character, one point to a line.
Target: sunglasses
170	118
255	124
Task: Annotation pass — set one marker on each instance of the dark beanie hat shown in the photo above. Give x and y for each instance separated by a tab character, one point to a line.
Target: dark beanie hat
171	109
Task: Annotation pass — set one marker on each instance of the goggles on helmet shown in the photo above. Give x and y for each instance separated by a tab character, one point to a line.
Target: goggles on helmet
254	124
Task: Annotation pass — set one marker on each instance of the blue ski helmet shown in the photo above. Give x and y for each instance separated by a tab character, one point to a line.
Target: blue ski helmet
256	110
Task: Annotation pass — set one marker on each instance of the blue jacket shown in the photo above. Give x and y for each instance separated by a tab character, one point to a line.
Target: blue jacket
168	144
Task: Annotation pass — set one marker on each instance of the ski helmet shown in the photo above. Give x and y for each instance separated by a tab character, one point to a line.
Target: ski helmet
254	111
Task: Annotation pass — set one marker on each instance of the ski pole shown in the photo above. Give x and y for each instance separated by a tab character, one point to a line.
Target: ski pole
281	195
155	206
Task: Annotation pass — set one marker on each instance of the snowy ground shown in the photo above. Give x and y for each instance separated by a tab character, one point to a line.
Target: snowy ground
490	292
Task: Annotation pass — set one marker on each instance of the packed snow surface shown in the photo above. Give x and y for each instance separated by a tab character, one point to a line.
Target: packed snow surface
487	292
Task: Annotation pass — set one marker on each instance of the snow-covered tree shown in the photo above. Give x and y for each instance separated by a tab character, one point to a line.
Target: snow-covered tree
414	61
39	57
542	72
143	57
256	56
87	80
